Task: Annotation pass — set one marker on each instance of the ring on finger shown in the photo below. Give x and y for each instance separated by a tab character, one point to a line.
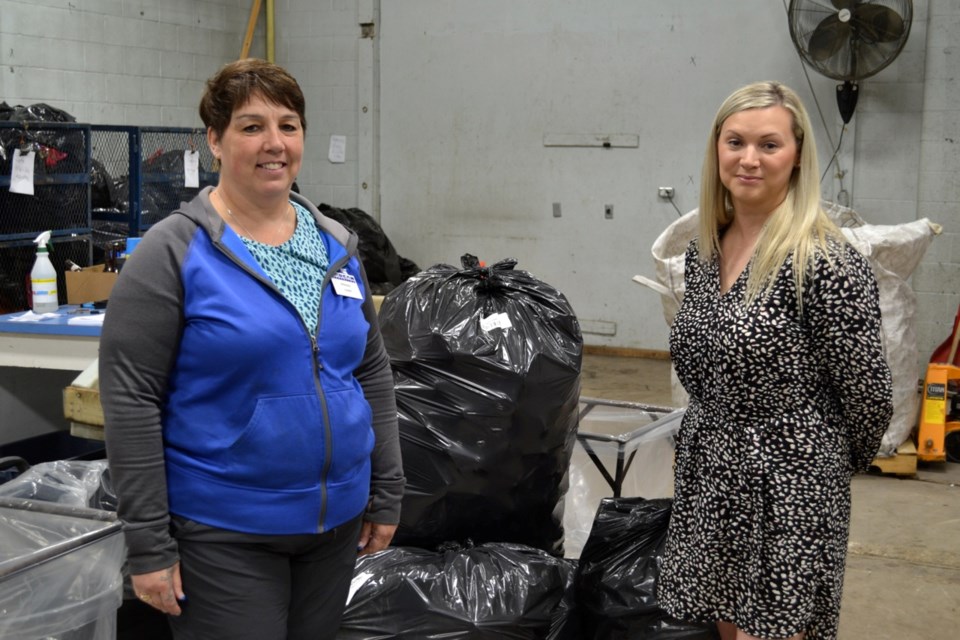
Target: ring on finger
145	597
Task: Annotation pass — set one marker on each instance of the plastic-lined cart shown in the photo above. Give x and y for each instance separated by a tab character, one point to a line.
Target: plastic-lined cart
60	563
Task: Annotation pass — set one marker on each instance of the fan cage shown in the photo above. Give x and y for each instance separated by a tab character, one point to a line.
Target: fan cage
858	57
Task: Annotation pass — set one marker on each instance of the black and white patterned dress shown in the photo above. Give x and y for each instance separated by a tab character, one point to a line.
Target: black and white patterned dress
783	410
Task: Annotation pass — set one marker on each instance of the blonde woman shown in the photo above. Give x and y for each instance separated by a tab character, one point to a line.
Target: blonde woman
778	345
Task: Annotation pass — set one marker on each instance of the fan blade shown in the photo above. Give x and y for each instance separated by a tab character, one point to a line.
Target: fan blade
828	38
843	4
877	23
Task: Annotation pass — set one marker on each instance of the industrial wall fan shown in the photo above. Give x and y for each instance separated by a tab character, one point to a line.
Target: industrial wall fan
849	40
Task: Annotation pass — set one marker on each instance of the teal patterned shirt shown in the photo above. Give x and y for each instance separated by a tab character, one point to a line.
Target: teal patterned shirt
297	266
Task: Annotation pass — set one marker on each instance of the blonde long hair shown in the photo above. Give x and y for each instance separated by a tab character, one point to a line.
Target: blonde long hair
798	226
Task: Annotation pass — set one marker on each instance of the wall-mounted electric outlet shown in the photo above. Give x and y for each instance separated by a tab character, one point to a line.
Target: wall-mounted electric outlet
608	211
665	192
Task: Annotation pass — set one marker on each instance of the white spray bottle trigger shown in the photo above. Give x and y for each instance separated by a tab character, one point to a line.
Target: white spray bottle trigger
42	241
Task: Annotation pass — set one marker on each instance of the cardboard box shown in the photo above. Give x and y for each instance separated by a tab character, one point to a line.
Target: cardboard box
91	284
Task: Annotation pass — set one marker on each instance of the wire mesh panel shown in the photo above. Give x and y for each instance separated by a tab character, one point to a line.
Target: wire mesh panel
139	176
16	261
61	200
162	173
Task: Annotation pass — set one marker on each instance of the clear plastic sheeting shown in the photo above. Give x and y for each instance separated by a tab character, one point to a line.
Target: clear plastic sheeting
626	449
78	483
489	592
616	577
486	364
59	571
894	251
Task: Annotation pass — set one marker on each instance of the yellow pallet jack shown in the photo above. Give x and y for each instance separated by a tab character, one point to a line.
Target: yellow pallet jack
938	430
938	438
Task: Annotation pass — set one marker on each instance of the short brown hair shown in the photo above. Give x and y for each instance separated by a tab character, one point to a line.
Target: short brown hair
237	82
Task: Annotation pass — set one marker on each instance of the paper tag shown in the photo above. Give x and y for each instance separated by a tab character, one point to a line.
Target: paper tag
346	285
338	149
21	174
191	169
495	321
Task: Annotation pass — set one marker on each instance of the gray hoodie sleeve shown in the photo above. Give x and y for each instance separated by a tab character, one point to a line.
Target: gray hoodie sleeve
138	345
376	379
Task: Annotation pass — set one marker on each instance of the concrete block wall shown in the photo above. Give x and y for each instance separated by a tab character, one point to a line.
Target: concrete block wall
318	42
937	280
888	121
130	62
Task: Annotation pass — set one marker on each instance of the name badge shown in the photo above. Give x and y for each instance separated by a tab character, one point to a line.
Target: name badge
346	285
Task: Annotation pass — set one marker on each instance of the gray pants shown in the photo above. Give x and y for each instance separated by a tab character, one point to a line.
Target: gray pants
241	586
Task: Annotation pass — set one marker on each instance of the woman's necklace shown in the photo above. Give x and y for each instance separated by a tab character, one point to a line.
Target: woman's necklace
243	228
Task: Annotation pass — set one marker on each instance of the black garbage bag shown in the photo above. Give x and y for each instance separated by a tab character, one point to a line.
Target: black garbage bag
488	592
486	364
39	112
154	199
58	152
164	185
617	574
101	186
385	268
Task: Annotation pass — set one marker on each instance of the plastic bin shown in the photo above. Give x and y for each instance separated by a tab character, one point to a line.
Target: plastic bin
60	571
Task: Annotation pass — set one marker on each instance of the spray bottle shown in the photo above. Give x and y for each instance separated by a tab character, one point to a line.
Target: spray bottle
43	278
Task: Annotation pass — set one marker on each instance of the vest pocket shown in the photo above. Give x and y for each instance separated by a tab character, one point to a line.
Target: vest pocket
282	446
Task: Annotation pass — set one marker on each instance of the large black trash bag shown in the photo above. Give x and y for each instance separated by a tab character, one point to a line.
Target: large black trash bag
59	152
101	186
486	364
489	592
164	185
616	577
385	268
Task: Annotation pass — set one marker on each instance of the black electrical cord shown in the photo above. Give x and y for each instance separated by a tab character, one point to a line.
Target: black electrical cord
679	213
834	156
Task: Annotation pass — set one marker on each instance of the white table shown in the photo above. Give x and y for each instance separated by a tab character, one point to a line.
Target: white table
48	344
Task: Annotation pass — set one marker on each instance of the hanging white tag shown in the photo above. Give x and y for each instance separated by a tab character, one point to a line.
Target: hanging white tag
21	173
191	169
495	321
346	285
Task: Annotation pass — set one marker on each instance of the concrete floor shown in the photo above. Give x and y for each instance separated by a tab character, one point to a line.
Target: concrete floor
903	565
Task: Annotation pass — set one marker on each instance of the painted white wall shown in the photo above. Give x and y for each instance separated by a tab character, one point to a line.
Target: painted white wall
470	90
320	44
937	280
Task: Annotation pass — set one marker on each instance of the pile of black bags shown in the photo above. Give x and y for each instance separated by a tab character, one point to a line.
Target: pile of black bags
513	591
486	364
